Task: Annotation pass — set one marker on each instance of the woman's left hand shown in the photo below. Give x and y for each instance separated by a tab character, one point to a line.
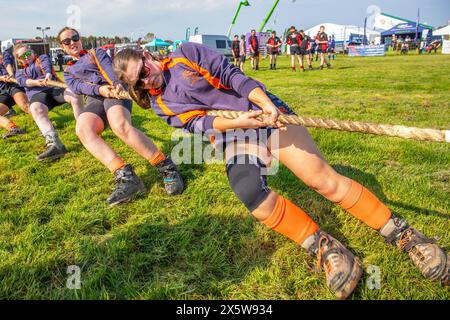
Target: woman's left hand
274	113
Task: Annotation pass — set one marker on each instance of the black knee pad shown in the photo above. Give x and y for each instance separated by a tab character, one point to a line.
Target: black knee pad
246	180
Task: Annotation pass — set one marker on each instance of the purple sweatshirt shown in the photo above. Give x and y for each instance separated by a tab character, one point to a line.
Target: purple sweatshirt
7	60
36	71
90	72
199	79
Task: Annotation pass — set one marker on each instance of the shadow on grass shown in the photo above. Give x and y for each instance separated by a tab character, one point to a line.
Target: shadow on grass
370	182
199	256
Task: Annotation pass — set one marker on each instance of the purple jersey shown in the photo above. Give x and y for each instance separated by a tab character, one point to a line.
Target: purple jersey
36	71
199	79
90	72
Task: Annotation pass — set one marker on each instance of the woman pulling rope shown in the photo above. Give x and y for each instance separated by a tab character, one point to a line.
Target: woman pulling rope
194	80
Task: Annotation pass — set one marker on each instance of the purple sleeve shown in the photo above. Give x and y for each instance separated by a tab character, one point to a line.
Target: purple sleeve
46	63
21	78
8	59
106	64
79	87
200	124
217	65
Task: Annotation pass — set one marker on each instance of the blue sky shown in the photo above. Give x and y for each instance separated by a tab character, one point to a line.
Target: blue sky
169	19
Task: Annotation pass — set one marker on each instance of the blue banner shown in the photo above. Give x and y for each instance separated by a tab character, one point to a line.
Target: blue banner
366	51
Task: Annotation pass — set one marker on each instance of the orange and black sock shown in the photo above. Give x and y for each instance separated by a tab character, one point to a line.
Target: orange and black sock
365	206
11	125
291	221
116	164
157	158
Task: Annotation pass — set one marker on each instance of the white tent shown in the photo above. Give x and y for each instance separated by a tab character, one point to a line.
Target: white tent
445	31
343	33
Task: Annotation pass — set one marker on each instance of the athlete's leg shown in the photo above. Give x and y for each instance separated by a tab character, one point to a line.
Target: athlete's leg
76	101
21	100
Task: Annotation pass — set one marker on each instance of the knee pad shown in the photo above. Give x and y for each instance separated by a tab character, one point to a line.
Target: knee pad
246	180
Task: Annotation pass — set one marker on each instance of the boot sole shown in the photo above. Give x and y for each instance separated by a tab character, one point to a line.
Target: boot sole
52	158
134	196
12	136
352	280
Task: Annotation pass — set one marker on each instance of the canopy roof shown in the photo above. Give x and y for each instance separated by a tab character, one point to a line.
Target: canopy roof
443	31
403	28
157	43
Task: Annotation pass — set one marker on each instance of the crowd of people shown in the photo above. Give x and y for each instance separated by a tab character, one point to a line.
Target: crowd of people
300	47
181	88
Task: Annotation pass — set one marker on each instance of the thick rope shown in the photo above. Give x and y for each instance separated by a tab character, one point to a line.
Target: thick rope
353	126
349	126
123	94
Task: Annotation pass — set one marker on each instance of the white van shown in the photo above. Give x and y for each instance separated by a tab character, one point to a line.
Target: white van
220	43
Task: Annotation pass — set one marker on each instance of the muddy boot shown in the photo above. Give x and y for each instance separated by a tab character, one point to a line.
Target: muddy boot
129	186
342	269
173	182
11	113
14	131
55	148
432	261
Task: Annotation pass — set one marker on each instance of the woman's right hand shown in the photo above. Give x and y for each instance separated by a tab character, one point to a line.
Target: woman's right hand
107	91
35	83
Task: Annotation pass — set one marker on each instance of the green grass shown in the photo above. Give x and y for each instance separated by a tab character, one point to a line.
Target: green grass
203	244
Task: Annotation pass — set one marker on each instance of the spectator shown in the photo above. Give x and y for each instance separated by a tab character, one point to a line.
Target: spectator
331	47
235	50
293	41
242	52
305	49
254	50
273	45
60	60
322	45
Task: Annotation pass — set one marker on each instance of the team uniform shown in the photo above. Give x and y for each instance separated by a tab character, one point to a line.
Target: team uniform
197	79
271	44
293	40
8	90
51	97
85	77
254	44
322	47
273	50
235	48
331	48
305	43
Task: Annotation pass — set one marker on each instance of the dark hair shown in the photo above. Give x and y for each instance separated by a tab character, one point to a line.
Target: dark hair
292	27
243	36
236	36
253	30
64	30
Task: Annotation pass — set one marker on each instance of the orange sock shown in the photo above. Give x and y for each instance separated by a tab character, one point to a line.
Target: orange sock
365	206
116	164
157	158
291	221
11	125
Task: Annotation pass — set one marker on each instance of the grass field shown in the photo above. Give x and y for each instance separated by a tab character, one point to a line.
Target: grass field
203	244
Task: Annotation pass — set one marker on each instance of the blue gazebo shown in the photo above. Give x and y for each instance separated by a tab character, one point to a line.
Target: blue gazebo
156	44
406	29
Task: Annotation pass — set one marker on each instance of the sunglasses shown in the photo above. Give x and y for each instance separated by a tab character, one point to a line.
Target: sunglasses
25	55
68	41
